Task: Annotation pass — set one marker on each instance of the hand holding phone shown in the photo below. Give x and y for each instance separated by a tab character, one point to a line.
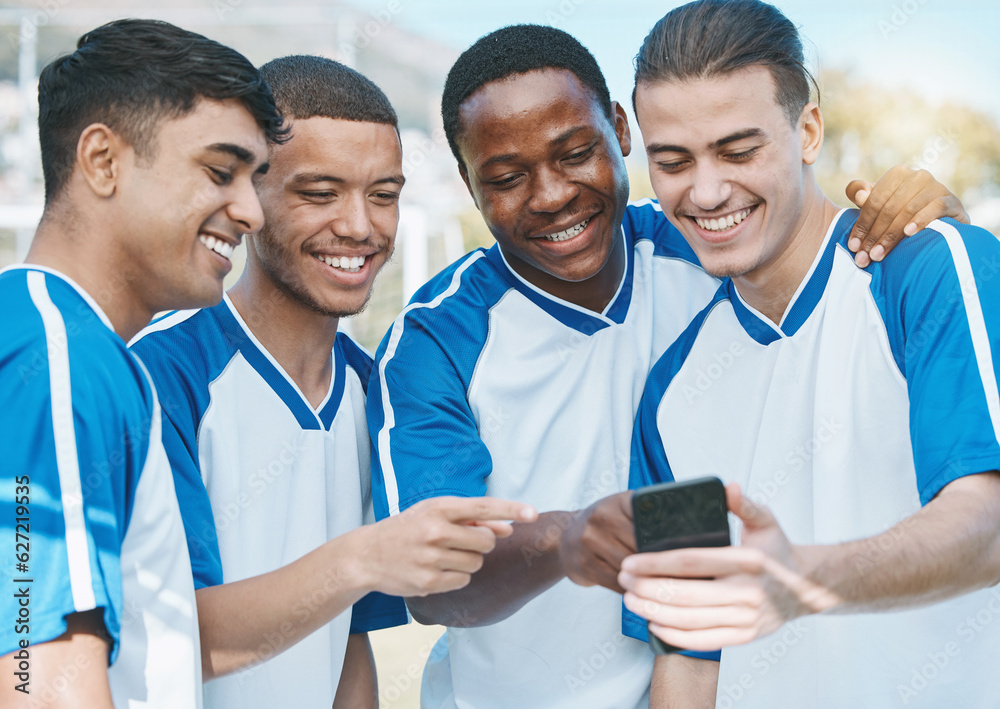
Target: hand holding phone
679	515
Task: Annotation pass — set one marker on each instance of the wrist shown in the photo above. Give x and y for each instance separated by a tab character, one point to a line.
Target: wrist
355	555
817	594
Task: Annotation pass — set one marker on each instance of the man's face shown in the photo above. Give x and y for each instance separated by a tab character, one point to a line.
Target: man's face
183	208
727	166
331	207
545	167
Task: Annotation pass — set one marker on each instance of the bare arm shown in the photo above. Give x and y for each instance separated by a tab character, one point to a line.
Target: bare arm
949	547
587	546
681	682
70	672
432	547
358	688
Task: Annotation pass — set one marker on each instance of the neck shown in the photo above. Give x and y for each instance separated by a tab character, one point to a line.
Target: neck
769	288
594	293
300	339
86	253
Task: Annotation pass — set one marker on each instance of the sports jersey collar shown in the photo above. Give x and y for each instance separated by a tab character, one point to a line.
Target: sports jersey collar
276	377
570	314
73	284
806	297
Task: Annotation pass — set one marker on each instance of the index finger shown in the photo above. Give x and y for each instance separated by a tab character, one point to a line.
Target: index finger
695	563
474	509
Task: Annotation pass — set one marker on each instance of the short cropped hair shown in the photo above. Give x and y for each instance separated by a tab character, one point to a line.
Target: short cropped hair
714	37
306	86
517	49
132	74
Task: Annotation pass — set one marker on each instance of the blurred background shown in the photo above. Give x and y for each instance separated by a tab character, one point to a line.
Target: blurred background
905	81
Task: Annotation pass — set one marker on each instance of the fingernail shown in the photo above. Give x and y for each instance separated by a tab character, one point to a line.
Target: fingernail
862	260
910	229
854	244
861	196
877	253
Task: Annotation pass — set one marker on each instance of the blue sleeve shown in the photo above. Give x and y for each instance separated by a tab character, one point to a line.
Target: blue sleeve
940	300
180	374
75	412
377	611
425	437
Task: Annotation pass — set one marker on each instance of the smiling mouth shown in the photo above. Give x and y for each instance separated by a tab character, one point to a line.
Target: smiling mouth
567	233
223	248
349	264
724	223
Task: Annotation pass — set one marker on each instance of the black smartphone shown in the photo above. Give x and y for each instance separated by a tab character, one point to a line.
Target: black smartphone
679	515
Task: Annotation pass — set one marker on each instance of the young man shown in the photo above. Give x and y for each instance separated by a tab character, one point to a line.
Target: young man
860	406
265	428
516	372
150	136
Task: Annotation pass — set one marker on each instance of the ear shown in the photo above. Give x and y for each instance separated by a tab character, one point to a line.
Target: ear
99	154
811	132
468	185
621	128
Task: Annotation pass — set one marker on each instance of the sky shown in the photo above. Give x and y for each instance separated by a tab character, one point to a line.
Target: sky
945	49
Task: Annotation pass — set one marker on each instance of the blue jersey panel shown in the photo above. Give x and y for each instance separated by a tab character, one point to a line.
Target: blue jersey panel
417	406
940	301
75	409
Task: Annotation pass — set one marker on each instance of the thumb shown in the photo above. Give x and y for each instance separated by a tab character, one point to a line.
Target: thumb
858	191
752	515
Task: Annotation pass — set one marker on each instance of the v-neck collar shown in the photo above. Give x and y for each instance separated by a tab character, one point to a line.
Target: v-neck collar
806	297
570	314
271	372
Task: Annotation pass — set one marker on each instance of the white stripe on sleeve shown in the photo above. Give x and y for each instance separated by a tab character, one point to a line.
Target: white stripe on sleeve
64	432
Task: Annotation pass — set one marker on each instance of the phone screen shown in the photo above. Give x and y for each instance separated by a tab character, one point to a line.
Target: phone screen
678	515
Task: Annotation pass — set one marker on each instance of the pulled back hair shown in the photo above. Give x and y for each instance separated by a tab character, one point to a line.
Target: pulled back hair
714	37
305	86
512	50
132	74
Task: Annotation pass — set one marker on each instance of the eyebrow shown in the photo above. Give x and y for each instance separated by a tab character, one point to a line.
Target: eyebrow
308	178
507	157
731	138
240	153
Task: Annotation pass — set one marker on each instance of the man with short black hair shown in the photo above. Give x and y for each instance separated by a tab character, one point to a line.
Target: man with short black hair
516	372
858	409
150	138
264	422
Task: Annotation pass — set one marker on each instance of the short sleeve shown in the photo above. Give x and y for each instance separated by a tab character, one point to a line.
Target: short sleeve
377	611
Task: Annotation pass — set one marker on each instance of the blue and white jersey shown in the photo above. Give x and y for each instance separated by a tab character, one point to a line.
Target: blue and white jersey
88	495
263	479
486	385
877	389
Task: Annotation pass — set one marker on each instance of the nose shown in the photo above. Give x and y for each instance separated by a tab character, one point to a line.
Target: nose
352	220
245	208
551	191
710	188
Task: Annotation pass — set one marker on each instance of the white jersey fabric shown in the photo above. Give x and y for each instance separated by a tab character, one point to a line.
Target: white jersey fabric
263	479
877	389
486	385
89	496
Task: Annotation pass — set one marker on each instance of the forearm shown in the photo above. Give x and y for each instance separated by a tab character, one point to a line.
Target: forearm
277	609
949	547
358	686
681	682
521	567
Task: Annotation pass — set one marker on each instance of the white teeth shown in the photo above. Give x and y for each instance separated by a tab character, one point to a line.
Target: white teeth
724	222
568	233
219	246
351	264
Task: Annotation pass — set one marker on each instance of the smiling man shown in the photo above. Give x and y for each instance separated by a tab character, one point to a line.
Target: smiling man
516	373
265	424
859	410
150	136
